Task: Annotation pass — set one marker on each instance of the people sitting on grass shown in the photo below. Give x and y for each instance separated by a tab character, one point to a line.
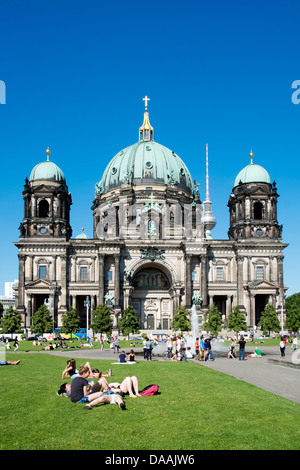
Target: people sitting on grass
91	395
71	371
81	391
131	356
122	357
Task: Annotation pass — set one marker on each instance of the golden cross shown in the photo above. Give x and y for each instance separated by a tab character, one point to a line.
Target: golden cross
146	99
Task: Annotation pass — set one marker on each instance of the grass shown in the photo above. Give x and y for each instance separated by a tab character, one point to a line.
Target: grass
25	345
197	408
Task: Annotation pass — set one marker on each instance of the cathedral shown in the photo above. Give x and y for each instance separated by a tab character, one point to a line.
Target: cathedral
152	245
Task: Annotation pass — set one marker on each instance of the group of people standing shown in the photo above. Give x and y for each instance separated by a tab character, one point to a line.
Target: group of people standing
147	346
203	349
232	348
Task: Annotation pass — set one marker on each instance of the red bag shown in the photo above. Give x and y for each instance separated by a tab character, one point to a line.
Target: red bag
149	390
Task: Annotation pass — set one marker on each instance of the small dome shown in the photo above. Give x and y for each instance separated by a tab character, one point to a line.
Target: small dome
252	173
82	235
47	171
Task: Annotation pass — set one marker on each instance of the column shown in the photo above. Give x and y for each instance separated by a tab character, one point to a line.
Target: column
54	268
252	310
228	306
280	273
21	288
30	312
188	281
63	293
240	281
203	287
117	279
101	279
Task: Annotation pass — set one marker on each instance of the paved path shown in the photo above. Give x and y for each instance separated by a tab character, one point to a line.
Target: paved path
272	376
261	372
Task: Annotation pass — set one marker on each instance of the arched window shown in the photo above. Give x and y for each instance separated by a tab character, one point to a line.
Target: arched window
43	208
258	210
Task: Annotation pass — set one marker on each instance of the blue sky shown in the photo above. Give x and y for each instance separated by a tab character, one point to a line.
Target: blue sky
217	72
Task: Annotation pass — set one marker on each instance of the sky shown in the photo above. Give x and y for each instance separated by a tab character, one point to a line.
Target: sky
218	73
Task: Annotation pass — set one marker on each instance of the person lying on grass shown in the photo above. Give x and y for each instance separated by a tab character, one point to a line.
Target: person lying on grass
129	385
94	399
71	371
9	363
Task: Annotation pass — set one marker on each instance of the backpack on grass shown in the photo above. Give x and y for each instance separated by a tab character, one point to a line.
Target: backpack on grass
149	390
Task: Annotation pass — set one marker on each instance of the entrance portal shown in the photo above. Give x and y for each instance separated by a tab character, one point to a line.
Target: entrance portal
152	300
261	301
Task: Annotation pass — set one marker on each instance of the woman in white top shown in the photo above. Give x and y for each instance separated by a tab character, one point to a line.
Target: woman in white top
295	343
282	348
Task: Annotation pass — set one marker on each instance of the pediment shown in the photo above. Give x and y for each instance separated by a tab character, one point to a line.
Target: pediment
43	187
257	286
259	190
38	284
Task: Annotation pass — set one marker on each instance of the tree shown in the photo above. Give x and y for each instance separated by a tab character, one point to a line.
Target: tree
1	310
214	321
70	321
236	320
292	305
269	320
102	322
42	322
181	321
11	321
129	322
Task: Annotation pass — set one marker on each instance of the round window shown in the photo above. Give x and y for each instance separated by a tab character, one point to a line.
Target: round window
259	232
114	171
43	230
148	165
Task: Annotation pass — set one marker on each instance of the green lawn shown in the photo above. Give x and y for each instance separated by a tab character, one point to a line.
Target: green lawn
25	345
198	408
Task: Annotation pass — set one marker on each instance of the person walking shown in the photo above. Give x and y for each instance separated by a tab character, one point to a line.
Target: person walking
116	345
282	348
16	344
242	344
148	349
295	343
169	346
210	353
197	348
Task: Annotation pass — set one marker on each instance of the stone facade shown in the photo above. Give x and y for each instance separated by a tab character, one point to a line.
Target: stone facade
151	248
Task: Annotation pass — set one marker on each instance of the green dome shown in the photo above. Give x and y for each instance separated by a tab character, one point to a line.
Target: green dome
146	162
252	173
47	171
82	235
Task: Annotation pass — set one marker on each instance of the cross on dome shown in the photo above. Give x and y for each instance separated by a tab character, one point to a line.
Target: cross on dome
146	99
146	131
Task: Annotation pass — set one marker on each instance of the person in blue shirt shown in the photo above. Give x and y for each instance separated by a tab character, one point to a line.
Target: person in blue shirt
148	347
122	357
